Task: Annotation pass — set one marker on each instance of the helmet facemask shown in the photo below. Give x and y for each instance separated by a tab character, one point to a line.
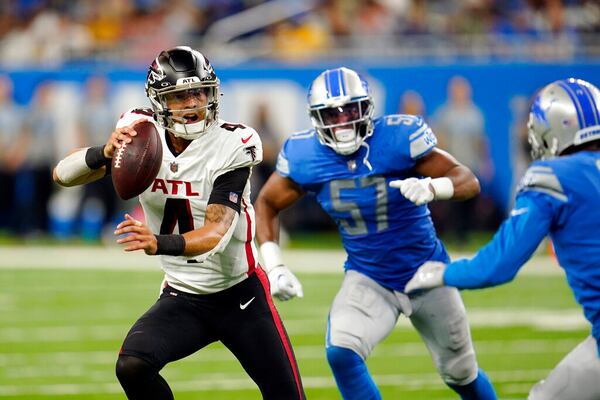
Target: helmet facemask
543	147
343	127
187	123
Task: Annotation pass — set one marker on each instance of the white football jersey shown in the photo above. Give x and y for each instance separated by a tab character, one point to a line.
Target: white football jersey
176	203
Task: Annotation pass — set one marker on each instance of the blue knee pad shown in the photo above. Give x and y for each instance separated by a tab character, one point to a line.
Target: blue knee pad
351	375
480	389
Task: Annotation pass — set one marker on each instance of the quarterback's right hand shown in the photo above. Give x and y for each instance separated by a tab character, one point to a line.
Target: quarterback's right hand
120	135
284	284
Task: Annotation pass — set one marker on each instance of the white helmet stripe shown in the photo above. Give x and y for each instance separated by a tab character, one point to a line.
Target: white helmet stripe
593	102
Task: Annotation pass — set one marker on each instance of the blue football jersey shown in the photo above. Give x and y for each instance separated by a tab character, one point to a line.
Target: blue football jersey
559	197
385	236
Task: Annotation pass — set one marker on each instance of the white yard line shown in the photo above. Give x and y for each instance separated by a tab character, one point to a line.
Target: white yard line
227	382
17	361
113	258
566	320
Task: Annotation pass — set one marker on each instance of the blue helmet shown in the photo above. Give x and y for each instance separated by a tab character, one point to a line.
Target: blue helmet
564	113
341	109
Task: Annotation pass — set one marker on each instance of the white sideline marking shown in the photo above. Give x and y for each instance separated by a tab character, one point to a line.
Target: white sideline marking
225	382
114	258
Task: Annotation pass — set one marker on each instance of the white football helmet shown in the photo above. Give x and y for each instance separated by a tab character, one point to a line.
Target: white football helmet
341	109
564	113
182	71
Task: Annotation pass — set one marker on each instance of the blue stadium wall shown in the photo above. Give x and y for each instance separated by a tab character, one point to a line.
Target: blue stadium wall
494	87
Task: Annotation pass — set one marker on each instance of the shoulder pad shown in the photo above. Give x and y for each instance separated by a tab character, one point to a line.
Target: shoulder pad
231	126
293	153
301	135
242	146
541	178
406	120
239	134
420	136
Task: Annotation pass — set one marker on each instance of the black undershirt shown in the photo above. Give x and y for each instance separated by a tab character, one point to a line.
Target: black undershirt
229	187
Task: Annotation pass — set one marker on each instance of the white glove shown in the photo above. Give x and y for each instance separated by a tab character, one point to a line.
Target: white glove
429	275
284	284
422	191
416	190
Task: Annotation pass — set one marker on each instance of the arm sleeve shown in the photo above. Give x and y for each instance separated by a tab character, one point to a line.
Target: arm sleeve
514	243
229	187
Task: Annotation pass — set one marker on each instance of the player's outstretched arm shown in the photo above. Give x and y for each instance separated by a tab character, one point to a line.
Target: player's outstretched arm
80	166
445	178
89	164
276	195
499	261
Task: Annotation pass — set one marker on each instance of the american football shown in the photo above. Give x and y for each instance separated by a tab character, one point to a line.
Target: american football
136	164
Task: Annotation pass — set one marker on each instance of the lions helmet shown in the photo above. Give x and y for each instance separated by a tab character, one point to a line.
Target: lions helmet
183	69
564	113
341	109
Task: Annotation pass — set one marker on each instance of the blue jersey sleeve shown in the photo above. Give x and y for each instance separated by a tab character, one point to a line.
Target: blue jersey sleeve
422	141
514	243
283	165
405	138
296	159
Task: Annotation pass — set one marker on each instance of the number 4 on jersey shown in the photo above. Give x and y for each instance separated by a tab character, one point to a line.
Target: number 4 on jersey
177	212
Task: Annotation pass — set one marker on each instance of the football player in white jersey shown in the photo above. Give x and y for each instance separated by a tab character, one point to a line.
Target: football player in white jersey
200	222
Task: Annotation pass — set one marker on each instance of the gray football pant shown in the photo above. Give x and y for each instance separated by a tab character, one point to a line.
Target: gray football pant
576	377
364	313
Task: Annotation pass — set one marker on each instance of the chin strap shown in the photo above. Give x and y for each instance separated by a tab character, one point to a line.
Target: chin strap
366	157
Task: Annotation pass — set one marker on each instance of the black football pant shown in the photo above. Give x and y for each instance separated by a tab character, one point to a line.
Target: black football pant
242	317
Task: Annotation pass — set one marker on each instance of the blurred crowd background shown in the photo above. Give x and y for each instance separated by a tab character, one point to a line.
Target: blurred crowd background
68	68
54	31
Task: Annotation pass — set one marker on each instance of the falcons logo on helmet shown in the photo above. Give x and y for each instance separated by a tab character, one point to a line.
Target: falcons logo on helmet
156	73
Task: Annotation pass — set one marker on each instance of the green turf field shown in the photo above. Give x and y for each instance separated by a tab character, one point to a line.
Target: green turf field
60	331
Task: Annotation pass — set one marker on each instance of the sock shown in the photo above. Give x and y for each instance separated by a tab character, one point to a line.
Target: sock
480	389
351	375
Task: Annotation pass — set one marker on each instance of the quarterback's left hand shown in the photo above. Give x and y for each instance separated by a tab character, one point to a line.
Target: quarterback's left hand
139	236
418	191
429	275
